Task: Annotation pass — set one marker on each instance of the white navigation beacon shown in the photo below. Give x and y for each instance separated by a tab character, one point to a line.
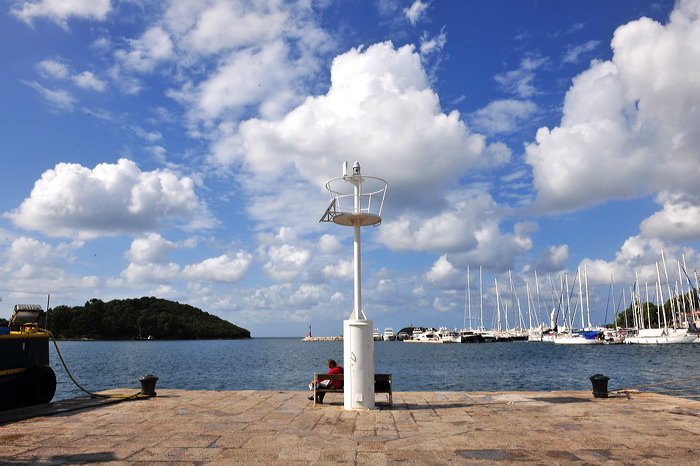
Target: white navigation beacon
357	200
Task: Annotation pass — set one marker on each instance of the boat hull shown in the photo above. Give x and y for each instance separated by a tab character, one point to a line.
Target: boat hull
577	341
25	375
661	340
427	341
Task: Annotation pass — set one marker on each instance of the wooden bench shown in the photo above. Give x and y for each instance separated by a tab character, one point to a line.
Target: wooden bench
382	384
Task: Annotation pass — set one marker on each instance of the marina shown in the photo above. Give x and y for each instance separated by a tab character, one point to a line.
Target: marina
566	319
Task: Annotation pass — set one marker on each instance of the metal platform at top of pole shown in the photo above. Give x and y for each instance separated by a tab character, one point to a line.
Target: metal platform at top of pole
355	197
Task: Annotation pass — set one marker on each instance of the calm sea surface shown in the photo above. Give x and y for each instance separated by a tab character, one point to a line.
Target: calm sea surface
288	364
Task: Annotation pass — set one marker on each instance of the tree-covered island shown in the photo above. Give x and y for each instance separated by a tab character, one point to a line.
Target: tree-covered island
141	318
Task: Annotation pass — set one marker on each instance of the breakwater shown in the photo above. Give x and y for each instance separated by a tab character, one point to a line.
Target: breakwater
338	338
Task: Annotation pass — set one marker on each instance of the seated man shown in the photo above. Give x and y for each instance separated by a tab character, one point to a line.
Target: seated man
334	369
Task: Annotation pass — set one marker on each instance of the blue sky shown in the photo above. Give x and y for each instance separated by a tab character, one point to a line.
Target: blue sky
180	150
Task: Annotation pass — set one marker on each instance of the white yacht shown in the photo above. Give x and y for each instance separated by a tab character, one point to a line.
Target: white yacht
449	336
389	334
429	335
376	335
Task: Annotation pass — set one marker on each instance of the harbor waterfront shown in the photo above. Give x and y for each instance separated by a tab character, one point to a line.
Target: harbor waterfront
288	364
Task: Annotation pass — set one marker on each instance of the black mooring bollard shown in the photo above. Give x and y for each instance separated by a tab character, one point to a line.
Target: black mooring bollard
600	385
148	385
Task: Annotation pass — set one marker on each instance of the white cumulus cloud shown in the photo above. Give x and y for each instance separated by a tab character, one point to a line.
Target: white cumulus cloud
552	259
286	262
344	269
637	259
379	110
147	51
503	116
226	268
53	68
442	273
224	24
87	80
60	11
76	201
626	120
416	11
679	219
259	54
150	248
36	265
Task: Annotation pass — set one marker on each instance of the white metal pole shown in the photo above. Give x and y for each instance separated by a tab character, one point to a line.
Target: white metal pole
358	313
359	342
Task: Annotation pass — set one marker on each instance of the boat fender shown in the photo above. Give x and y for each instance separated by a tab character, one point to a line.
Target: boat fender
41	385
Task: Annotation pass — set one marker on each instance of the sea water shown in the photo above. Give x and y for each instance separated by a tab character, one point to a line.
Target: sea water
288	364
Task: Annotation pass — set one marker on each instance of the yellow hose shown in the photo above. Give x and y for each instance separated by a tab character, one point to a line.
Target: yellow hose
655	384
94	395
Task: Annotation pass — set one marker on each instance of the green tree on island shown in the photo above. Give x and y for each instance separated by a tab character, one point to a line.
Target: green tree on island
127	319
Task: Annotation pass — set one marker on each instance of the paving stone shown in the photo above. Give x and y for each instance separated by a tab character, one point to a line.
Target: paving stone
254	427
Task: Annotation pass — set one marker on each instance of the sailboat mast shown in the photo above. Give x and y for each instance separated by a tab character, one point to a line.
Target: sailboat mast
539	301
481	301
612	296
668	286
661	294
466	303
519	322
529	305
580	298
646	286
569	313
469	296
588	306
498	304
553	316
683	308
659	308
505	314
636	300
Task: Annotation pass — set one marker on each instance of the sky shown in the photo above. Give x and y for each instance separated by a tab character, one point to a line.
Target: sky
180	149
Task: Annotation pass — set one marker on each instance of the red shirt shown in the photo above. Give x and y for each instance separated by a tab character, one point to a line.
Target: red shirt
336	383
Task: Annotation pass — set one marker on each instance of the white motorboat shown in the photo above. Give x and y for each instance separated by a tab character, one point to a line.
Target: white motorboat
388	334
449	336
425	336
376	335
